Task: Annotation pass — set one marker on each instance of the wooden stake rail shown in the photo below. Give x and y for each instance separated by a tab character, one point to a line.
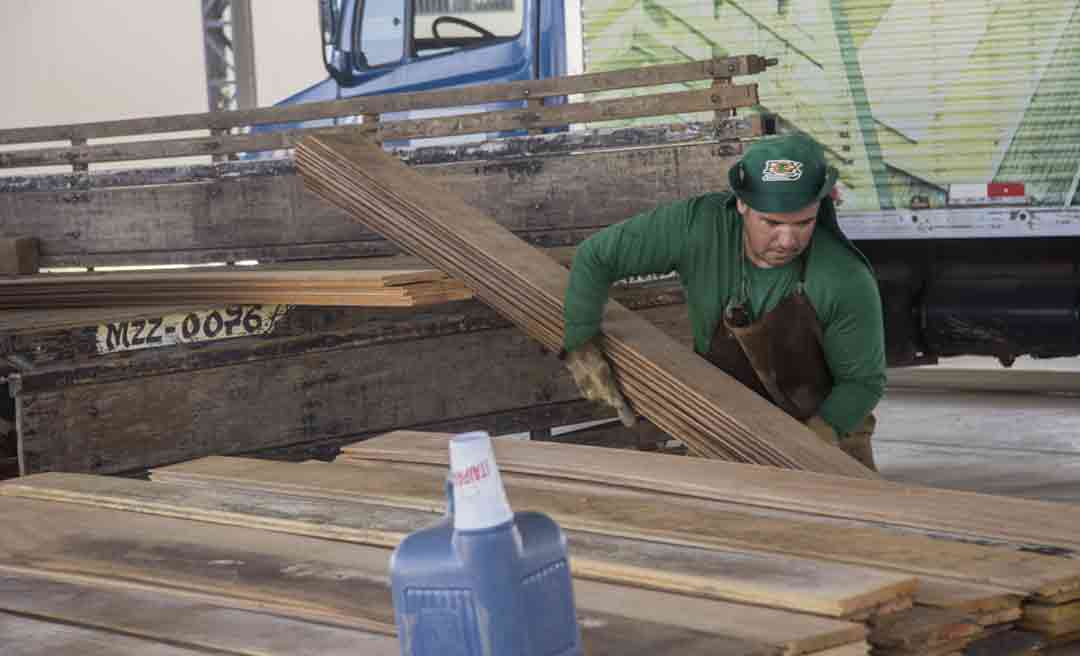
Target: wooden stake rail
404	288
588	83
667	383
1023	522
533	117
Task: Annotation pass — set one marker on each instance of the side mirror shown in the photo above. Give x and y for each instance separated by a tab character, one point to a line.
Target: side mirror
338	61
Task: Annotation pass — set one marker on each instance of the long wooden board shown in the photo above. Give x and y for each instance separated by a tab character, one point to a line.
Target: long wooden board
1021	521
347	582
674	388
724	67
1034	381
639	514
331	286
744	576
553	197
554	116
171	618
28	636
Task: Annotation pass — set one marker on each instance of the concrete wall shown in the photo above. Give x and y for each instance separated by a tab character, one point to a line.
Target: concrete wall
68	61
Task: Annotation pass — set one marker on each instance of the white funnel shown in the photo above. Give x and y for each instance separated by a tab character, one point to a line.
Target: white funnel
479	498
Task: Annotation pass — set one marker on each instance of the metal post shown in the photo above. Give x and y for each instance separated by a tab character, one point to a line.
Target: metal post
229	47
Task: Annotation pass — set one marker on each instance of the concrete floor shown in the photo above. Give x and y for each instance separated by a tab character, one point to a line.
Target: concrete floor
1025	444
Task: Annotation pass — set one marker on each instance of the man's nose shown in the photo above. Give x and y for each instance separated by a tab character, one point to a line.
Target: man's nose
787	239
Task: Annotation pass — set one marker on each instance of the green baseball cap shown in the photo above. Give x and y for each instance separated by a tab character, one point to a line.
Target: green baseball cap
782	174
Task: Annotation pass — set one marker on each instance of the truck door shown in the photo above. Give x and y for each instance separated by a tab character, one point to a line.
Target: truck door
388	46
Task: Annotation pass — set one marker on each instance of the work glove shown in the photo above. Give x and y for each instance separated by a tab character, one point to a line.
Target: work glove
594	378
823	429
856	444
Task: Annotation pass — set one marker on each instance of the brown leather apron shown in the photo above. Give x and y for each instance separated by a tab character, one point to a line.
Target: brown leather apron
779	356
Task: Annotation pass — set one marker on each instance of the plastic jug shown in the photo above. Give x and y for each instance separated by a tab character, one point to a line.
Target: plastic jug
484	581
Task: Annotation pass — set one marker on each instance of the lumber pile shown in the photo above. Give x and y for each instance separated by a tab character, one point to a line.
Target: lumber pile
870	523
653	538
312	285
678	391
699	549
199	566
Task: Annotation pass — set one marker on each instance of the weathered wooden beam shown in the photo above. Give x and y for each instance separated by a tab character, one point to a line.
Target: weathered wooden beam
730	96
552	200
463	96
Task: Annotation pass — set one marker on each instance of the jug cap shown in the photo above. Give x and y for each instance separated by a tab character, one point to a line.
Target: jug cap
479	499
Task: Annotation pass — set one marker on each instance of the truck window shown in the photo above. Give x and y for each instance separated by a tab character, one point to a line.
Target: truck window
445	25
381	39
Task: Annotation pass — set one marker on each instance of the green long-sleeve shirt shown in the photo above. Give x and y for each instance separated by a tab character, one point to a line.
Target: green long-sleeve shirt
701	239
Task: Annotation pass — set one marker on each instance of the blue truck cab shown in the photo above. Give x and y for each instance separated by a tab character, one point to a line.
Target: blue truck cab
391	46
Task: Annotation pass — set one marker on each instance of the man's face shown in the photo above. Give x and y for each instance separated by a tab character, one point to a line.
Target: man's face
773	240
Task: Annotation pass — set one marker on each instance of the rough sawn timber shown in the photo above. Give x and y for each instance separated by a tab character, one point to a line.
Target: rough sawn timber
552	191
637	514
348	583
177	619
1022	521
667	383
783	582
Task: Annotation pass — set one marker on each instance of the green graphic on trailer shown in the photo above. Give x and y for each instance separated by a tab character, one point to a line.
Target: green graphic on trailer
907	96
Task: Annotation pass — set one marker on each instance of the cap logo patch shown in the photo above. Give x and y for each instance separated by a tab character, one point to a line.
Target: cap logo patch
782	170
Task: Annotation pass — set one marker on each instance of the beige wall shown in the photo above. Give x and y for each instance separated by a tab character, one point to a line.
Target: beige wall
69	61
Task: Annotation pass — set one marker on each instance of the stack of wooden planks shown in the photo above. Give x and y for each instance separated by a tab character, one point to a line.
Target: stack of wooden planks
975	555
239	567
315	284
680	392
722	558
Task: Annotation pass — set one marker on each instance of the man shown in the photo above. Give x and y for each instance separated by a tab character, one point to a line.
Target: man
777	296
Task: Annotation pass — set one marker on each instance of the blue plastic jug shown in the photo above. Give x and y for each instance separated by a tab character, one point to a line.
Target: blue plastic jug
484	581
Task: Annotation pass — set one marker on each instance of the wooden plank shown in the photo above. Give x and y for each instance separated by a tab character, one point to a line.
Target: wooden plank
602	633
347	581
312	274
921	629
170	618
986	380
1052	620
1021	521
747	577
553	116
970	598
420	294
675	389
552	200
28	636
457	97
639	514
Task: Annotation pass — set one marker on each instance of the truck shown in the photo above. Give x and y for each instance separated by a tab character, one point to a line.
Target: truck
966	264
952	124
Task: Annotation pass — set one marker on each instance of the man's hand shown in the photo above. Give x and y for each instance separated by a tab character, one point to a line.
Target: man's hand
825	432
856	444
594	378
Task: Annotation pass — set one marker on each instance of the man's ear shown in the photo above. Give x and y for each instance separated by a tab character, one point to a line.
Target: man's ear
740	206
